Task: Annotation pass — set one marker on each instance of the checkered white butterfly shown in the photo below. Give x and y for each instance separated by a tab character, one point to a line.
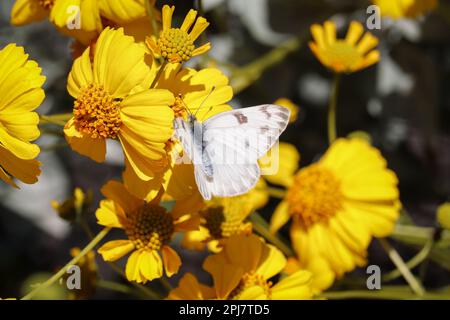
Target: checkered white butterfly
226	147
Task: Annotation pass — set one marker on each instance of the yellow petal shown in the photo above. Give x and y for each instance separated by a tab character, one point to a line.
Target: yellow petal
167	13
253	293
172	261
26	11
200	25
330	32
280	217
318	35
244	251
272	262
116	191
150	265
190	289
26	171
116	249
92	148
132	269
296	286
81	74
354	33
21	149
107	216
189	20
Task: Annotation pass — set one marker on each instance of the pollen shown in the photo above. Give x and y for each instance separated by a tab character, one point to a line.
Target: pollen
175	45
179	108
223	225
149	227
46	4
251	280
96	113
315	195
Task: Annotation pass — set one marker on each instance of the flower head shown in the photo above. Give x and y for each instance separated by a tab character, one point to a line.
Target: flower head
20	94
337	205
112	101
242	271
348	55
149	229
177	44
398	9
27	11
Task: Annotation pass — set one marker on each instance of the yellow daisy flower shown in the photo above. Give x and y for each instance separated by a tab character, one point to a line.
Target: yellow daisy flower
242	271
149	228
225	217
443	215
177	44
398	9
20	93
113	102
204	93
348	55
337	205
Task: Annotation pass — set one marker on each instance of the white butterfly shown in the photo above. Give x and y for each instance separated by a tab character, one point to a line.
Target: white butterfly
226	147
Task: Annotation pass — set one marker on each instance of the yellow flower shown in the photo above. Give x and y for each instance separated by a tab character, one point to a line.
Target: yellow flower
348	55
337	205
20	94
177	44
113	102
397	9
285	102
74	206
225	217
242	271
204	93
443	215
288	165
149	228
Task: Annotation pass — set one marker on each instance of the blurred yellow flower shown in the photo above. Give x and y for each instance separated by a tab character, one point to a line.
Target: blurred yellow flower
27	11
225	217
288	160
397	9
443	215
113	102
337	205
149	228
70	208
348	55
285	102
242	271
177	44
20	94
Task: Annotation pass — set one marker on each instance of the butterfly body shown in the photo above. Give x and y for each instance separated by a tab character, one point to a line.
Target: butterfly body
226	147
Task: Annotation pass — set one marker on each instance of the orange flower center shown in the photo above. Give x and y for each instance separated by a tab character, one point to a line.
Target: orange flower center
342	55
175	45
149	227
250	280
221	225
314	196
46	4
96	113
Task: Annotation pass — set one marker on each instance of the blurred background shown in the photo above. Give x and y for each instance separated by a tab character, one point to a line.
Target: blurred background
402	103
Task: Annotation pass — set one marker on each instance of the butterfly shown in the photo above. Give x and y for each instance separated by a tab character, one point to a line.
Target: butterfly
226	147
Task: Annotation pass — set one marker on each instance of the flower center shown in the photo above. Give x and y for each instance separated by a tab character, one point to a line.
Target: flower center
221	225
179	108
175	45
342	54
96	113
149	227
250	280
315	195
46	4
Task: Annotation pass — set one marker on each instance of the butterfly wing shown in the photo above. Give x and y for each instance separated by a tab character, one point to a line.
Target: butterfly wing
232	143
183	131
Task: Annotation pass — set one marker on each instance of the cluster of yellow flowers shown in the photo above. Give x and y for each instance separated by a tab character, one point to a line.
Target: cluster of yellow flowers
129	83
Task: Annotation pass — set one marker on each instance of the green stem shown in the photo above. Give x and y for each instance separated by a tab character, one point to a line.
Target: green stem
56	119
160	71
72	262
411	264
402	267
276	192
332	132
114	286
261	226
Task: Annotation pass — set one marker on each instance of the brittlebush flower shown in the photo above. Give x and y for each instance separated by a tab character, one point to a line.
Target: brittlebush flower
242	271
177	44
113	102
222	218
20	94
203	93
74	206
443	215
336	206
344	55
398	9
149	228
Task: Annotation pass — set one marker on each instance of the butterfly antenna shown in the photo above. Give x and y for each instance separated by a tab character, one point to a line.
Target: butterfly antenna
204	100
185	105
